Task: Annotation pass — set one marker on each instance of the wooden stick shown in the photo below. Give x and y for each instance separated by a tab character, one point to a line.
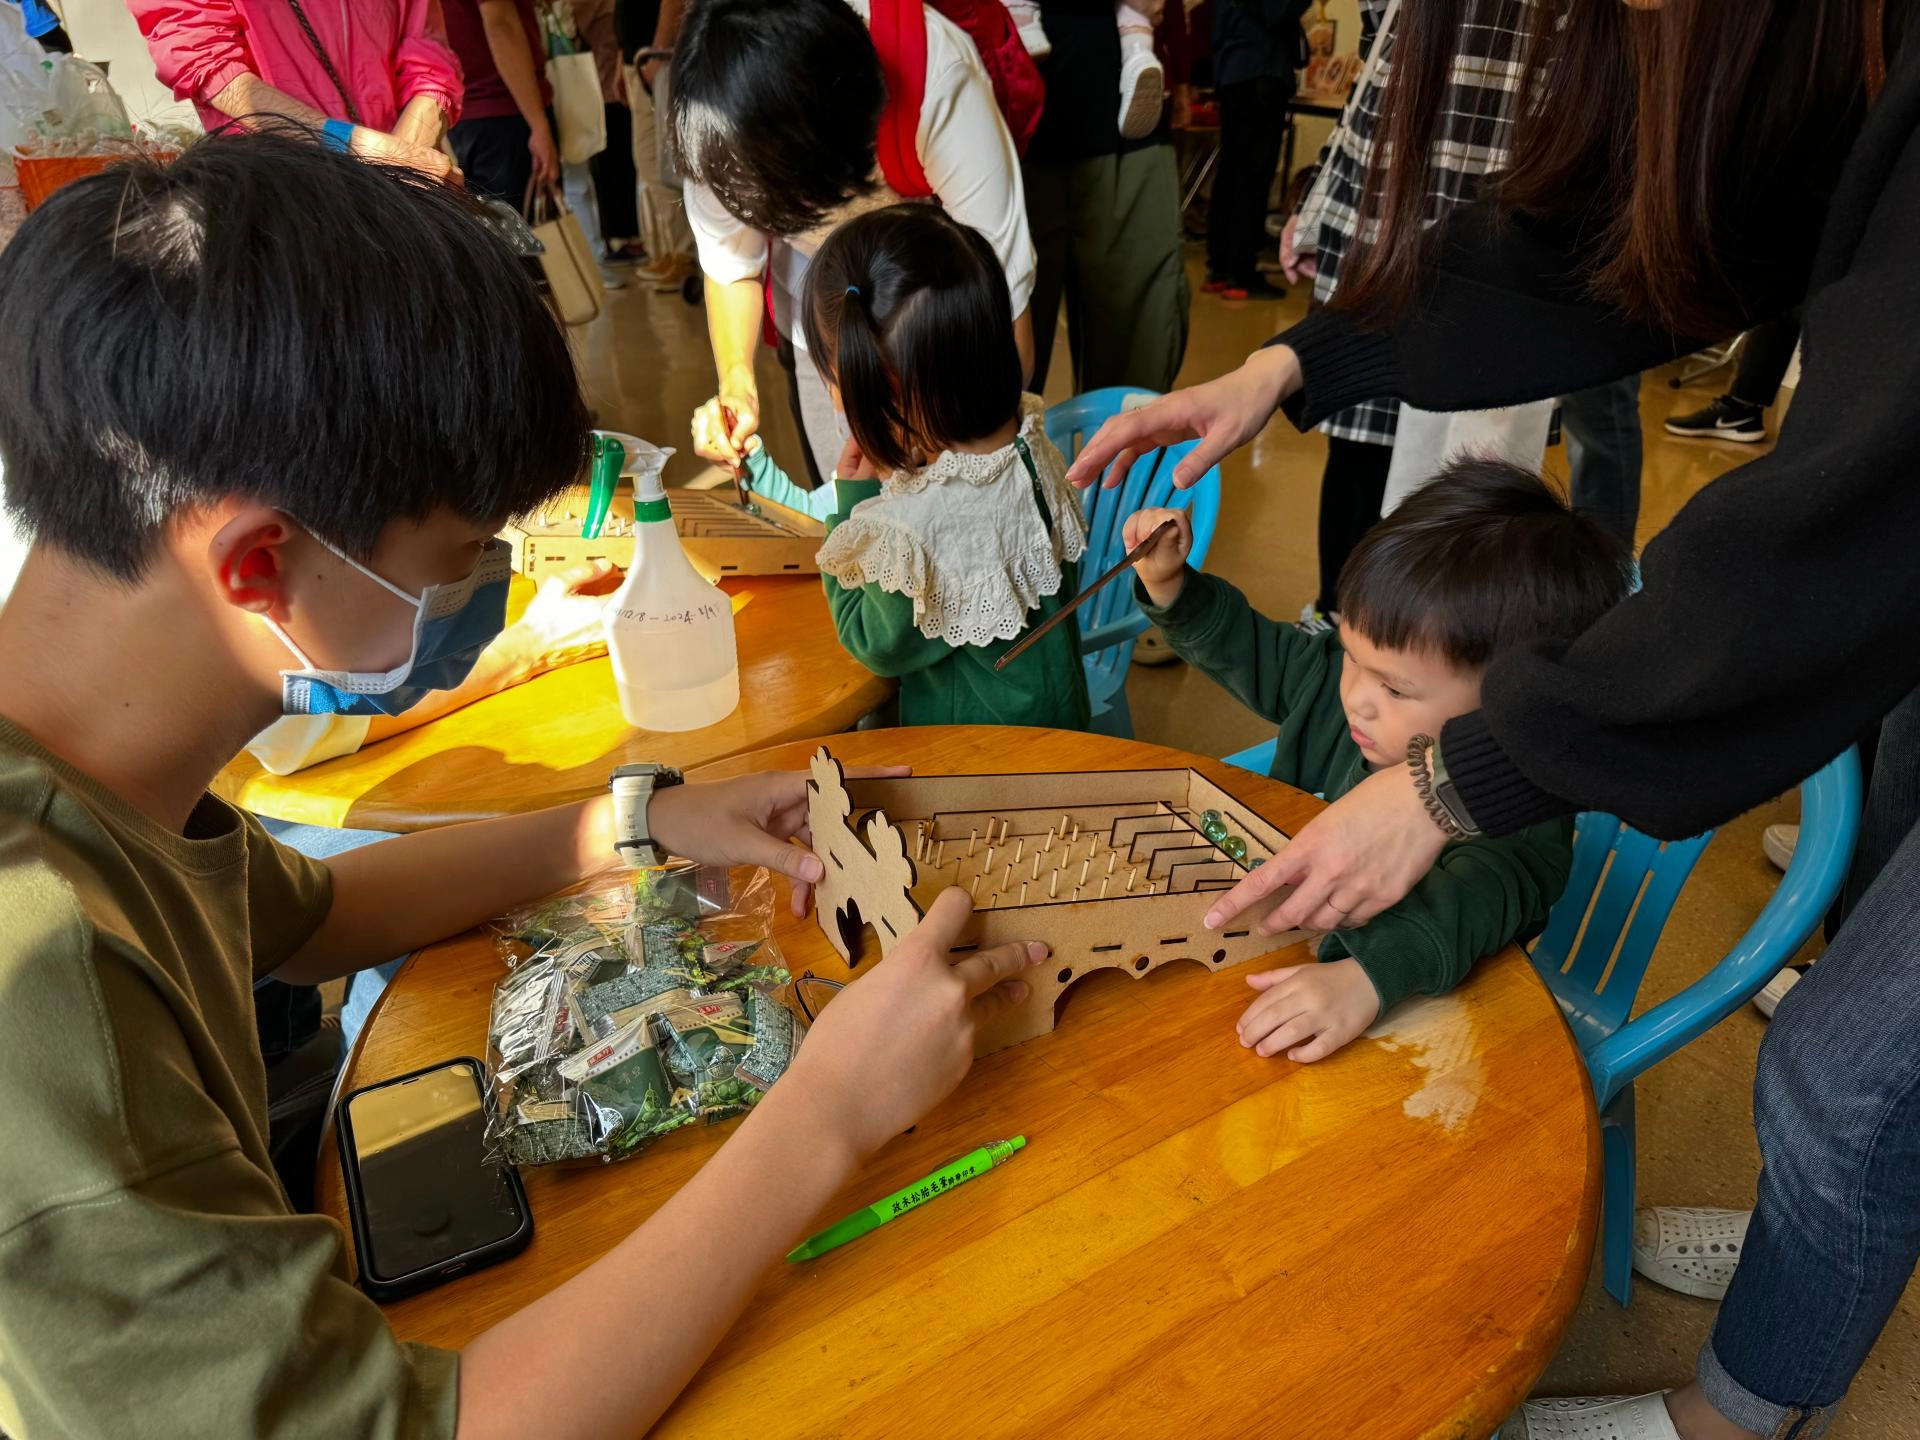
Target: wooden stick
974	888
973	839
1023	892
1104	882
1130	875
1006	880
1036	867
1019	849
1085	865
940	855
1112	856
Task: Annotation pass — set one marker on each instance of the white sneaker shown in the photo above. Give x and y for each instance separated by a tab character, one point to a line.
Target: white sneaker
1768	1000
1143	85
1026	21
1594	1417
1779	842
1689	1250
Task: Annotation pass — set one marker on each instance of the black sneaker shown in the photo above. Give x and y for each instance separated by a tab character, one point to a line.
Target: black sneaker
1724	419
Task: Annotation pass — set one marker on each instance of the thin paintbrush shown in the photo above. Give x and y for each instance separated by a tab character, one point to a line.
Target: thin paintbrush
1033	636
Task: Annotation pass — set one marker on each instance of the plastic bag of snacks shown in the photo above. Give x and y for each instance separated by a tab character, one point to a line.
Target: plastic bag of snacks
633	1009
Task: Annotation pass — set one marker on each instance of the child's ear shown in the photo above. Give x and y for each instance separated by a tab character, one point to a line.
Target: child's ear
248	557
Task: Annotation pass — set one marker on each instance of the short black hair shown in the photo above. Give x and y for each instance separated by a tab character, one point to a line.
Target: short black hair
267	318
907	312
774	105
1484	559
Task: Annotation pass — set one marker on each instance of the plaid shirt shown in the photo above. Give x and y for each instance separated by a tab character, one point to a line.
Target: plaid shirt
1472	140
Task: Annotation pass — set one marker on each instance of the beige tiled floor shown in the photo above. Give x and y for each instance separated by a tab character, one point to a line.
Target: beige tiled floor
647	367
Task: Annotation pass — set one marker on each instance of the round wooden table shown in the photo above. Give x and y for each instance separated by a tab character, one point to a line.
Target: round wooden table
1195	1241
554	738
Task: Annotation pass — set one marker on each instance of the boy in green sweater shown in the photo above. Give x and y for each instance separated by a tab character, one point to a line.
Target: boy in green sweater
1483	559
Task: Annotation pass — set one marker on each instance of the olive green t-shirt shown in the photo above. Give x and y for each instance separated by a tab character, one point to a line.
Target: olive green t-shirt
153	1278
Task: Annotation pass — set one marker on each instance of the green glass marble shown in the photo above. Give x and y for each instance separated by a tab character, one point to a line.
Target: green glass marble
1213	827
1235	847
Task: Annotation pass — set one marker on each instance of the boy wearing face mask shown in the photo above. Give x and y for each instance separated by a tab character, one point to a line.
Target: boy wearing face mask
262	411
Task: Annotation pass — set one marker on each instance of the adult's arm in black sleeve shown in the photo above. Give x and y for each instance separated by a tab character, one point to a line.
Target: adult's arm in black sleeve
1503	318
1780	614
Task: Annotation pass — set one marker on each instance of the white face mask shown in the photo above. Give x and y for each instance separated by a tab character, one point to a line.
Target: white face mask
452	624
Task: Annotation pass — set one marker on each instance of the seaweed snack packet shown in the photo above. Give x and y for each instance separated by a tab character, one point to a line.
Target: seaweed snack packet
777	1033
624	1096
706	1037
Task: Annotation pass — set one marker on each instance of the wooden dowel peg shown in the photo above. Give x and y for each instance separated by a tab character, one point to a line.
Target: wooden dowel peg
1019	849
1130	878
1053	885
973	839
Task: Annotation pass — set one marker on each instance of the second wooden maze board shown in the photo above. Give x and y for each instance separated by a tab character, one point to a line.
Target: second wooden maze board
719	537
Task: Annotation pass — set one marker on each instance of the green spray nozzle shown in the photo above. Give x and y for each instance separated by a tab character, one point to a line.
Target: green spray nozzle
609	459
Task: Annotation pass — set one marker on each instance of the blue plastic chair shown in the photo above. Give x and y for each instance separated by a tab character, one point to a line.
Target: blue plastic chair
1111	621
1601	935
1597	943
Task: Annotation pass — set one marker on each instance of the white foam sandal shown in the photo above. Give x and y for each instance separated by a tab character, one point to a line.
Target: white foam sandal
1596	1417
1690	1250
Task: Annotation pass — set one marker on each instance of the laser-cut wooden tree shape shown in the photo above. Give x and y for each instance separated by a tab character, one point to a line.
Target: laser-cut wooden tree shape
867	883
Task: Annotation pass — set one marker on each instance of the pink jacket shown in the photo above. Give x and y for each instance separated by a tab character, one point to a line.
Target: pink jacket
386	53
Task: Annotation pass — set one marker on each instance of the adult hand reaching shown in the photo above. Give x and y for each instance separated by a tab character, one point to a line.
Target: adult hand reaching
722	426
1224	413
895	1042
1358	856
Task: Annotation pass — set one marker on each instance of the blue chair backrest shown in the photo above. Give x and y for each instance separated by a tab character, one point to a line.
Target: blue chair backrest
1112	616
1601	935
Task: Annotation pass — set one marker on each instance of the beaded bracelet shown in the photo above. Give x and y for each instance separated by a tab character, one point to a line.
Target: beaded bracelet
1420	763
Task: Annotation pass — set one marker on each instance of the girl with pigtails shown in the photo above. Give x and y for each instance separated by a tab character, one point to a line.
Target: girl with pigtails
968	534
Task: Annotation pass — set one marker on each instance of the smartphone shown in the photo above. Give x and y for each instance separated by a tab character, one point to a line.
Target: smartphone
425	1200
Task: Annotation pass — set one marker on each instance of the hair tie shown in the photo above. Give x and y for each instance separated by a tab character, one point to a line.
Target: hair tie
854	290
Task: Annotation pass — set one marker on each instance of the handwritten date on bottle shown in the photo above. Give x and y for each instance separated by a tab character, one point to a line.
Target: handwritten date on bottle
673	617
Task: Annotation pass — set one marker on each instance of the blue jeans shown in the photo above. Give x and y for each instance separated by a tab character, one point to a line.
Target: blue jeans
1836	1101
1602	427
320	842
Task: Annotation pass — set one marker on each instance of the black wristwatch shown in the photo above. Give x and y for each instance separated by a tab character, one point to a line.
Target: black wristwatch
1437	790
633	787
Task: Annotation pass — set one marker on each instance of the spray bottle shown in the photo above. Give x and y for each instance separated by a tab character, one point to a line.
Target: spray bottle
669	632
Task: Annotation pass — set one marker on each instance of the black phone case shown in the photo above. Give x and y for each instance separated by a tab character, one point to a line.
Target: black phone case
401	1286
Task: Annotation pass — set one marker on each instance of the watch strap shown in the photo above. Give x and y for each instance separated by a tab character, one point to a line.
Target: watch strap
633	787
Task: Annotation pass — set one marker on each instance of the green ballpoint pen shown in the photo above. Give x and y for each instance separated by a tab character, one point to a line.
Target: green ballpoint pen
901	1201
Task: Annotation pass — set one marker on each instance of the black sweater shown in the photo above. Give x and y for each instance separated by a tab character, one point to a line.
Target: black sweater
1780	612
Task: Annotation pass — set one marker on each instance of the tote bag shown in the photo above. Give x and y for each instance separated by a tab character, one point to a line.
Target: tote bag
578	107
574	286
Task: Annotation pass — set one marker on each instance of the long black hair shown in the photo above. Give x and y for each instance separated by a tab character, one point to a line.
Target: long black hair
775	107
1660	135
907	312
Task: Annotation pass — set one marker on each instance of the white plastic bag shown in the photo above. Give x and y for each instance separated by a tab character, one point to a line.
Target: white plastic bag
26	82
578	106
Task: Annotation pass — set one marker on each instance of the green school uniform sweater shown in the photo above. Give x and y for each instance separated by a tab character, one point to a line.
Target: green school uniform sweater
944	684
1480	896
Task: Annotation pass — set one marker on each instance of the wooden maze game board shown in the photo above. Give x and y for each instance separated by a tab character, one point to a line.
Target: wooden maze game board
719	537
1107	868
